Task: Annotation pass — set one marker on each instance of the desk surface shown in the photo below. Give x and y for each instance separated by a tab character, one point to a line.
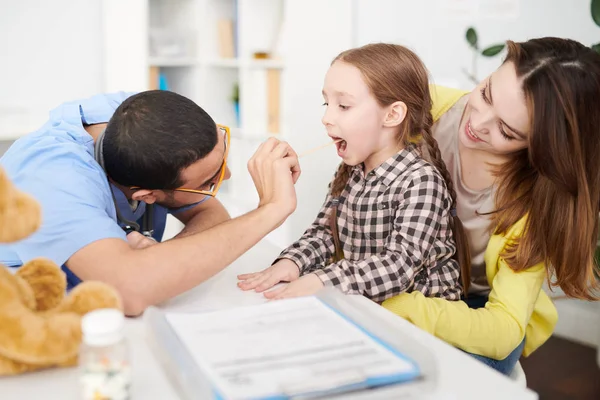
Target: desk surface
459	375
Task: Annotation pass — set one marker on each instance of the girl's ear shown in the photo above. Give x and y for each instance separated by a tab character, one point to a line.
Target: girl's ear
395	115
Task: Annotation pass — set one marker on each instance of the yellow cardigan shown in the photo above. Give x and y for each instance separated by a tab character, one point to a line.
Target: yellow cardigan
517	306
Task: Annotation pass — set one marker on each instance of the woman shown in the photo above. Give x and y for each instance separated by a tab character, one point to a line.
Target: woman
522	150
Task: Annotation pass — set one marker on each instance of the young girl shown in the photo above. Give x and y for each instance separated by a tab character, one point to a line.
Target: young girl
387	223
523	152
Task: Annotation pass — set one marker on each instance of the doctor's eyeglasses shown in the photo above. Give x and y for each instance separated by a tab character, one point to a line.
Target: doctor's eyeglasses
216	183
214	186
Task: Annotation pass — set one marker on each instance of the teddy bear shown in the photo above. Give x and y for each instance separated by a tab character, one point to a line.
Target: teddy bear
40	326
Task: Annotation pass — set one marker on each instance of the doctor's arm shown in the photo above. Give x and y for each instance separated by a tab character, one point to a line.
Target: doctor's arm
151	275
313	249
201	217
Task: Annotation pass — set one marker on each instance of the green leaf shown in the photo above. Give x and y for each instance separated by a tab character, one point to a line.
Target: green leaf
596	47
472	37
595	8
235	93
492	50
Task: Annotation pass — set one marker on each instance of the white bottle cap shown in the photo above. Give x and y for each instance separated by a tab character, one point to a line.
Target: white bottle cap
103	327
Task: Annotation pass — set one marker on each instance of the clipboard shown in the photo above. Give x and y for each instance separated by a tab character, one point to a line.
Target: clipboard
193	379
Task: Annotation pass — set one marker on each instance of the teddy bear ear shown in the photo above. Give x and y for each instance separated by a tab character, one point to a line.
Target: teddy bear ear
20	214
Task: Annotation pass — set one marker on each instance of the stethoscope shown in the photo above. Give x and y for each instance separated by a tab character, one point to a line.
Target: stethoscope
147	228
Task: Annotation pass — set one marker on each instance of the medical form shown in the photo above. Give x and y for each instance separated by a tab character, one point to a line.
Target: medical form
287	348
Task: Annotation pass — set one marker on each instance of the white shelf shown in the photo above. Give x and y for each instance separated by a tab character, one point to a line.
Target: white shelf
224	62
252	64
266	64
274	94
222	38
172	62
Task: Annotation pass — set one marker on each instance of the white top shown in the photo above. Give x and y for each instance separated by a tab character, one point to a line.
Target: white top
469	203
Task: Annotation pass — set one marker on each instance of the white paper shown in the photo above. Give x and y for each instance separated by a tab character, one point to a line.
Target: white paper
283	347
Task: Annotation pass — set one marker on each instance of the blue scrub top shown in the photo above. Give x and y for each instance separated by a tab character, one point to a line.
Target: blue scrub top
56	166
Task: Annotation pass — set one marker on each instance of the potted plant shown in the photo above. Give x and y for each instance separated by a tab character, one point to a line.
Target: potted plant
235	99
595	10
490	51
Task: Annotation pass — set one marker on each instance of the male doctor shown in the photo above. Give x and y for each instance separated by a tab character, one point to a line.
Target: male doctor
107	170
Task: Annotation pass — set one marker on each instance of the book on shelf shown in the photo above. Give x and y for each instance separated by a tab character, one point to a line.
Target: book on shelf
273	100
157	80
153	78
226	37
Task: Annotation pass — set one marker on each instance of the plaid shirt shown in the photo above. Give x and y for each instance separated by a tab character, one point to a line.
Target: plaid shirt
394	229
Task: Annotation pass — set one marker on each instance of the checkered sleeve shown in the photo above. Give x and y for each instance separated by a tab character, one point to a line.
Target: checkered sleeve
315	247
417	220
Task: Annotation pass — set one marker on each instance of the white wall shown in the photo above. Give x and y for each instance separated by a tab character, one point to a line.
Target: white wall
322	30
50	52
439	37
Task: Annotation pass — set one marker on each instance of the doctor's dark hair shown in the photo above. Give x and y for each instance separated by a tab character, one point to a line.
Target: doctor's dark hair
153	136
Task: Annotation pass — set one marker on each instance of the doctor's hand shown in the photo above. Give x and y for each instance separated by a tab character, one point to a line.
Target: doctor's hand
138	241
283	270
275	169
305	286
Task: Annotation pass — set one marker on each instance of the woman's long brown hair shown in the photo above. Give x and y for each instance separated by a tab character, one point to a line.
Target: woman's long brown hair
555	183
395	73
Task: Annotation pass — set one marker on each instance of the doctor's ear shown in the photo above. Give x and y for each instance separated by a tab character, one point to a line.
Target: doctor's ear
396	114
147	196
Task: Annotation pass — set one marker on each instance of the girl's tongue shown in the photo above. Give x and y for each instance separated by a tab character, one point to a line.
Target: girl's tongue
341	147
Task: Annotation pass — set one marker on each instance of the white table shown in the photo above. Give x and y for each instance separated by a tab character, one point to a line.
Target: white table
459	375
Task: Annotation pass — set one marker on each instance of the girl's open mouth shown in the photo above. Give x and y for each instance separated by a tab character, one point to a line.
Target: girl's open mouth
340	144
